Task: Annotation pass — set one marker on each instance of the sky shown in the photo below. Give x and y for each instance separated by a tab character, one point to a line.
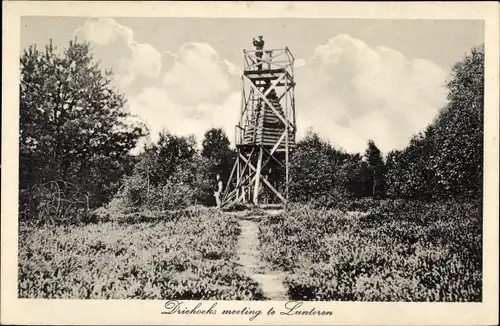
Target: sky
356	79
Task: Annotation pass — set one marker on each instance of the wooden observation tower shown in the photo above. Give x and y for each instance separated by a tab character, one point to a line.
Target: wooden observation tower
265	134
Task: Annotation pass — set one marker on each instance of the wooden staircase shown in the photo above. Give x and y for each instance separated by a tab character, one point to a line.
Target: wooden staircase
266	127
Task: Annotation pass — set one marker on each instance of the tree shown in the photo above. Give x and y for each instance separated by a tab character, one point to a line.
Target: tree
327	175
169	175
446	160
459	129
410	171
375	164
218	154
161	159
312	174
394	173
73	124
216	145
353	175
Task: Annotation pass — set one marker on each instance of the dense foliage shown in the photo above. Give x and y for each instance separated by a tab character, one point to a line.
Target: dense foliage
402	251
215	147
446	160
219	159
321	173
163	177
178	255
443	161
171	174
74	130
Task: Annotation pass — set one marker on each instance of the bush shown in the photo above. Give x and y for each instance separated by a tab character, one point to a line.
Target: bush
55	202
136	192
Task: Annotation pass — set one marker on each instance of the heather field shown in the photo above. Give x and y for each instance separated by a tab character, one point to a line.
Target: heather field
396	251
400	251
187	254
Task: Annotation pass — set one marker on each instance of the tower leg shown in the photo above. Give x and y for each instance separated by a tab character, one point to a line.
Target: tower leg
237	177
257	177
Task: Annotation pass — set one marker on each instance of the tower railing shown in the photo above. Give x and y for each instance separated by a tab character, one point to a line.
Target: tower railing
275	58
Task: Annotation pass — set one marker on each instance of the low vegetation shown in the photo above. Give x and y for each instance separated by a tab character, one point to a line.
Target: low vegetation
188	254
400	251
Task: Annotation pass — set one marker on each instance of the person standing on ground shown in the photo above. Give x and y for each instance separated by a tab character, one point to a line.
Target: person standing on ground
218	192
259	46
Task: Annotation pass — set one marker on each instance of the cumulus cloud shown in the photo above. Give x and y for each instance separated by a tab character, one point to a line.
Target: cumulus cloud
160	112
347	91
128	60
199	92
198	75
350	92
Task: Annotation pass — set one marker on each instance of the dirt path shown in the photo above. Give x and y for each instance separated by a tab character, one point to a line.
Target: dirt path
249	258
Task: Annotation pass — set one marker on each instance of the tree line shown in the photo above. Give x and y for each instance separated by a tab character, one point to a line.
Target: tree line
445	161
76	137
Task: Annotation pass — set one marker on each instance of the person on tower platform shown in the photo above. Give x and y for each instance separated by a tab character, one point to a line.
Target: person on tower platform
259	46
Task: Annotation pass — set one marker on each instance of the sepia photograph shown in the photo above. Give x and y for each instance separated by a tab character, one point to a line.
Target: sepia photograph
292	160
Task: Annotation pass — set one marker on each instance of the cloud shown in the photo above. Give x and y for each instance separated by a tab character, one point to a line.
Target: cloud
347	91
127	57
198	75
160	112
350	92
198	92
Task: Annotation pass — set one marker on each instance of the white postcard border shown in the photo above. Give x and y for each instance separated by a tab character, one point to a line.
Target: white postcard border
24	311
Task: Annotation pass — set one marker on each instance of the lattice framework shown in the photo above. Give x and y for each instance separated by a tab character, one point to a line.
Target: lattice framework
265	133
